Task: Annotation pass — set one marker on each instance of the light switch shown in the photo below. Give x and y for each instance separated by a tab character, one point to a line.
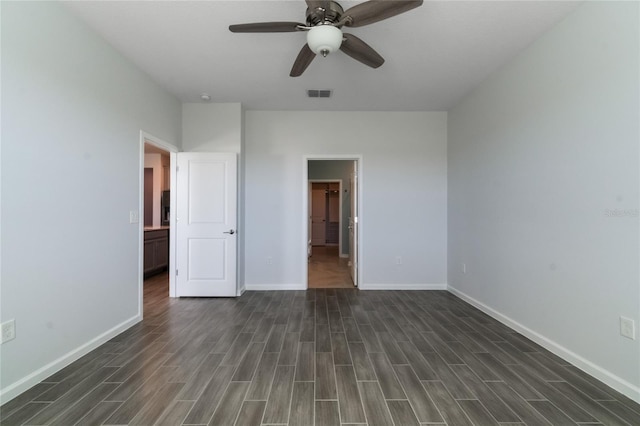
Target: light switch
133	216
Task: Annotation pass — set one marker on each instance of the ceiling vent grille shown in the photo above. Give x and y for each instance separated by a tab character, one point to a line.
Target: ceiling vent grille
319	93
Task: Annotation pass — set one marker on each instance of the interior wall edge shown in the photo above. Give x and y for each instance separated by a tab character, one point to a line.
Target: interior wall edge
594	370
14	389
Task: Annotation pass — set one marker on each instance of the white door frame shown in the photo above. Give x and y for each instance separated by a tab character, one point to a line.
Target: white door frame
339	207
305	210
172	149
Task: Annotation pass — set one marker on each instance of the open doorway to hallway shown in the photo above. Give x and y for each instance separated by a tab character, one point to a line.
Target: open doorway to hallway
155	243
330	208
156	214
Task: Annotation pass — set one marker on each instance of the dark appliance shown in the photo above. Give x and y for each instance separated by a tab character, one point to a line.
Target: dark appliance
164	208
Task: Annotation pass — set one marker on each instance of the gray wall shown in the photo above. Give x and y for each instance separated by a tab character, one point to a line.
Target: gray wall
339	170
541	157
403	164
72	111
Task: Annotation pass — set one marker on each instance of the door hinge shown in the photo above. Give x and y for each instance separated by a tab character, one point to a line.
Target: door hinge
177	168
176	272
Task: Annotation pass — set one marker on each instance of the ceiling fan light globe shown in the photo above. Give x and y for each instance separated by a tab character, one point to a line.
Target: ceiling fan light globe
324	39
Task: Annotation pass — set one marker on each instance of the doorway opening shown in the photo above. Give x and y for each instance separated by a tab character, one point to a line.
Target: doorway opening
155	239
331	218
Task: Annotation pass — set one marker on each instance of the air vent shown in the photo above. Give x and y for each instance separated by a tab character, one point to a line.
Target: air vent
319	93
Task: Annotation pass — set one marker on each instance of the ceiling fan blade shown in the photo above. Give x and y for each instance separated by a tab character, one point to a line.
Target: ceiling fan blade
265	27
303	60
361	51
376	10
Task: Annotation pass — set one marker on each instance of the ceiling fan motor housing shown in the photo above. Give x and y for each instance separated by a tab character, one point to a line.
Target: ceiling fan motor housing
320	15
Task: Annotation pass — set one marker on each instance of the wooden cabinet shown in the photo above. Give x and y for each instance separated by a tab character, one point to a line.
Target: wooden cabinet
156	251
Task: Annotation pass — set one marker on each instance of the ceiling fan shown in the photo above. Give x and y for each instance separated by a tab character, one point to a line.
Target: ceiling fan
325	18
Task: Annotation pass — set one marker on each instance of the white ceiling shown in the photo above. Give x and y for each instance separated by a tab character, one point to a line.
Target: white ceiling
435	54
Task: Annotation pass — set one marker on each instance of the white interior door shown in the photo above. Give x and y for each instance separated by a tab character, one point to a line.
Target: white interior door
353	226
318	217
206	224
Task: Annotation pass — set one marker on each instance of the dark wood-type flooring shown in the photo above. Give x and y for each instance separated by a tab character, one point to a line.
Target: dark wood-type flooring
318	357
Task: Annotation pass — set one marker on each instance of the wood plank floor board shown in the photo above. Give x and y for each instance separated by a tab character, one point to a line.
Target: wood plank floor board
552	413
341	355
443	371
98	414
351	330
387	379
305	366
23	399
24	413
361	364
322	356
370	339
449	409
251	413
349	403
516	382
154	408
417	361
623	411
519	406
478	367
208	400
263	378
71	379
230	404
390	347
477	412
237	349
199	380
568	406
175	413
248	364
498	409
159	376
402	413
279	402
421	402
308	332
289	351
85	405
325	382
72	396
274	343
302	404
375	405
593	407
323	338
326	413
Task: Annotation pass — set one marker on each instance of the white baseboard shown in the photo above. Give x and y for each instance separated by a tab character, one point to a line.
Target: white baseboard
266	287
364	286
605	376
344	256
16	388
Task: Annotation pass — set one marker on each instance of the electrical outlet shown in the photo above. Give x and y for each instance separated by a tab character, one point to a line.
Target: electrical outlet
464	268
269	260
134	217
398	260
8	330
628	328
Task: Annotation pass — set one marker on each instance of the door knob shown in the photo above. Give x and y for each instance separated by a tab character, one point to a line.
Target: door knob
230	231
